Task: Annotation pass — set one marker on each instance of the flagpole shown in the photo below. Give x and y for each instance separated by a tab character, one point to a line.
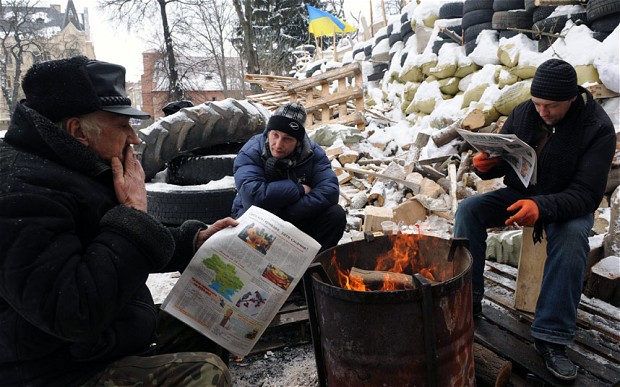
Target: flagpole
335	49
372	22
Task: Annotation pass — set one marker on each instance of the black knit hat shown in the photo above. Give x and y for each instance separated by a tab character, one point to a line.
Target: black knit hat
72	87
289	119
555	80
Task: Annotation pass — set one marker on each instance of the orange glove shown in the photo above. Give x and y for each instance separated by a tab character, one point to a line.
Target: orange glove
527	212
484	163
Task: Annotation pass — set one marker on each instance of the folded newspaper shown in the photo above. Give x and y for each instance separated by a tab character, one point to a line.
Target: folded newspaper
518	154
240	278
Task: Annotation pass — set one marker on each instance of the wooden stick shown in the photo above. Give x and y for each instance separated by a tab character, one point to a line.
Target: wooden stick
409	184
492	370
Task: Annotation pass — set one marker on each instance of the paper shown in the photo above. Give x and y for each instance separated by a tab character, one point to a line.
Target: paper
240	278
518	154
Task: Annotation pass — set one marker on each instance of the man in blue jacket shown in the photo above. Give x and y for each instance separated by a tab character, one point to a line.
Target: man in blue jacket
574	140
284	172
77	244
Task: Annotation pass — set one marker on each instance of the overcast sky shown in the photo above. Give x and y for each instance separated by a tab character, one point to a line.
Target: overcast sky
116	45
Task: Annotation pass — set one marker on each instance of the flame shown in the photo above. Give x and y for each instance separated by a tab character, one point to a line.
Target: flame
400	259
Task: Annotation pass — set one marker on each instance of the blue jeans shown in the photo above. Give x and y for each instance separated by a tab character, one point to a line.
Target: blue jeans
567	251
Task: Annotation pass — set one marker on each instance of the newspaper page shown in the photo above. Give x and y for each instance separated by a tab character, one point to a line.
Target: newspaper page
240	278
518	154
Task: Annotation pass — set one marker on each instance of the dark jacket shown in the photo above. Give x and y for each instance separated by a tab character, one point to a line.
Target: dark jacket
73	262
574	163
286	197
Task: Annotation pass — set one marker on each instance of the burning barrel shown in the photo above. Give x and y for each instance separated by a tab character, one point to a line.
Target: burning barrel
392	311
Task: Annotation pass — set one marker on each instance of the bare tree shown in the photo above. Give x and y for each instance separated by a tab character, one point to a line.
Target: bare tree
20	38
247	45
135	13
208	27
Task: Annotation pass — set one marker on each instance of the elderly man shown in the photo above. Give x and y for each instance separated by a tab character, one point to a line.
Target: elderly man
574	141
284	172
77	245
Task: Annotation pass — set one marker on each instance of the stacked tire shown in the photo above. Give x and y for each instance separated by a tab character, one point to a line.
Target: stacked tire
510	15
449	11
477	17
603	17
546	26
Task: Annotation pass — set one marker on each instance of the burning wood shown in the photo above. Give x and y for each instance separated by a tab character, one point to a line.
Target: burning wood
385	280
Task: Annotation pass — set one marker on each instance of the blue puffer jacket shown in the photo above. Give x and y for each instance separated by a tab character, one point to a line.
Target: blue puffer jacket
73	261
285	198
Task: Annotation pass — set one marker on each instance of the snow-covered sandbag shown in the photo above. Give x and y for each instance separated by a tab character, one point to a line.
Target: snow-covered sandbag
504	77
587	74
606	59
427	96
508	50
486	48
513	95
449	86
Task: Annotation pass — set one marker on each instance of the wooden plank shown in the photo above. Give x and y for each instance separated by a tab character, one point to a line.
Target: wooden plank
582	356
531	265
356	118
338	98
327	77
522	353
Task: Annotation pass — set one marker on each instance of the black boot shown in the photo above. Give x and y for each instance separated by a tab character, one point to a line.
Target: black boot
556	360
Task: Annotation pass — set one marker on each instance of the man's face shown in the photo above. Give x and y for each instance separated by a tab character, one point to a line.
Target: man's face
114	137
552	112
281	144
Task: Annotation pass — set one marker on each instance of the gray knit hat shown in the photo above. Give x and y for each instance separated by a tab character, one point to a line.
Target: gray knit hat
289	119
555	80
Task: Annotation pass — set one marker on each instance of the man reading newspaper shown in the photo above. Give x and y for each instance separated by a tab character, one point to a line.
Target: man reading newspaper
574	140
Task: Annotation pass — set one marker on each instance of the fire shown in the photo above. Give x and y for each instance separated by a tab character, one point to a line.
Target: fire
390	270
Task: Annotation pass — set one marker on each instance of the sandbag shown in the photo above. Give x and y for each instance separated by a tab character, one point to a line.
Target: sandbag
587	74
449	86
504	77
512	96
523	72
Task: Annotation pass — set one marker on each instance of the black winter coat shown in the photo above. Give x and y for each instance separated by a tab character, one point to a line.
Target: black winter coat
73	262
574	163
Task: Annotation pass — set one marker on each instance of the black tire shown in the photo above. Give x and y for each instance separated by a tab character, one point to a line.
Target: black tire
175	207
395	37
597	9
607	23
476	17
504	20
600	36
451	10
403	58
390	29
472	5
404	18
507	5
472	32
556	24
405	29
507	34
407	36
541	13
469	47
368	49
545	42
357	51
458	30
313	69
437	44
194	170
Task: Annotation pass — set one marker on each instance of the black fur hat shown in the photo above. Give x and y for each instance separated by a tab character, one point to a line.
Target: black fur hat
72	87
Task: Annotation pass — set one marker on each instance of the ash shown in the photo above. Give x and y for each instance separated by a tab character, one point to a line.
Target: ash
285	367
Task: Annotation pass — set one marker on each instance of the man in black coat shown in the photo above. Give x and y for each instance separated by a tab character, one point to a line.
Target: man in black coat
574	140
77	244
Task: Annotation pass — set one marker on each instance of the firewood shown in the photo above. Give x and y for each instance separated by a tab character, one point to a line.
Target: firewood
373	216
376	197
452	177
473	120
406	183
348	157
604	281
492	370
374	280
414	153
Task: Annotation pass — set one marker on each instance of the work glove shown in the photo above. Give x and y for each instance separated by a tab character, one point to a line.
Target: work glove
527	212
275	169
484	163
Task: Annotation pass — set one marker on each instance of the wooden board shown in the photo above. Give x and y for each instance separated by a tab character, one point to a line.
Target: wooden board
531	264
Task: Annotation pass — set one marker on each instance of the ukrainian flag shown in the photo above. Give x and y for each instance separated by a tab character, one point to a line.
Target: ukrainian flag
325	24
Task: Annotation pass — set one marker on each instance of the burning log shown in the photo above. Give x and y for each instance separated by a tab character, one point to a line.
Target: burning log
375	280
385	280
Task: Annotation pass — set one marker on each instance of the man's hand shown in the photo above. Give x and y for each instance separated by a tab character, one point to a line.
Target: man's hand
275	169
484	163
307	188
221	224
527	213
128	180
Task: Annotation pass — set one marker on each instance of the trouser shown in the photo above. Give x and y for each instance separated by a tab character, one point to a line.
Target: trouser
567	251
182	357
327	227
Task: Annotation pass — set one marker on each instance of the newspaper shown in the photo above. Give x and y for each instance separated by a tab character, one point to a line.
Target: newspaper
518	154
240	277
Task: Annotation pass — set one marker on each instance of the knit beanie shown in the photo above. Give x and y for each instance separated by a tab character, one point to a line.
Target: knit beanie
289	119
555	80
